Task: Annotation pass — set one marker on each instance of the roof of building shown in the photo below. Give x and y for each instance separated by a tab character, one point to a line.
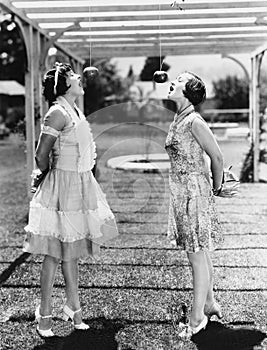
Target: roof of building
11	88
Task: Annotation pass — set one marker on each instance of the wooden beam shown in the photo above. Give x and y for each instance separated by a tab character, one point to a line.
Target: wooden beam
204	41
136	34
172	15
169	51
254	108
260	49
256	114
37	83
52	42
251	82
177	25
7	5
56	6
29	106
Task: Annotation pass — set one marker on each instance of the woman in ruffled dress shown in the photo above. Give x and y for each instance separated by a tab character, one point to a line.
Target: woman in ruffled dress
69	216
193	221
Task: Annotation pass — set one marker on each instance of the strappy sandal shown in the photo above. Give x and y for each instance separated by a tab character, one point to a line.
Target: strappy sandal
69	314
44	333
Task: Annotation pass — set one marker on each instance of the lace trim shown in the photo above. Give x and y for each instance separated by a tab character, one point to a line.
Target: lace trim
32	230
84	135
88	211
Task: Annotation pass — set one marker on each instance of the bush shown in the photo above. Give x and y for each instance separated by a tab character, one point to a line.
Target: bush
15	117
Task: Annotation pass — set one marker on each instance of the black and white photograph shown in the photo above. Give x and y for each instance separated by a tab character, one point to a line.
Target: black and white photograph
133	175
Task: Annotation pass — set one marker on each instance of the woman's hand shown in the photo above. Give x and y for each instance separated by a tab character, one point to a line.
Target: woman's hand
230	185
37	178
229	190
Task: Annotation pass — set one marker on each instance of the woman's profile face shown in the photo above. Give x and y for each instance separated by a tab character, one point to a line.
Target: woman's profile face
76	87
177	86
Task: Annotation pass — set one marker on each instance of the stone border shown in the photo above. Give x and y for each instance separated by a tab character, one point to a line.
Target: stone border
157	162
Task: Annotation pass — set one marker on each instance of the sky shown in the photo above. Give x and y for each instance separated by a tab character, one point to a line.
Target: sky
208	67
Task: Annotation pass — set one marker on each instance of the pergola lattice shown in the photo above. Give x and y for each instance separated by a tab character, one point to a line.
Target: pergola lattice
119	28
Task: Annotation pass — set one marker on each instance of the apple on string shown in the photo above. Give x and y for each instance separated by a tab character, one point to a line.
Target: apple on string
90	73
160	76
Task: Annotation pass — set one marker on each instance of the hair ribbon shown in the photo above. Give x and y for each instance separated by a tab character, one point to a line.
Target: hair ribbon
57	65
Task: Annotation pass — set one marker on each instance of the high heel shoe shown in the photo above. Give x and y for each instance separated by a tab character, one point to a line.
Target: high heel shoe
213	310
44	333
69	314
188	331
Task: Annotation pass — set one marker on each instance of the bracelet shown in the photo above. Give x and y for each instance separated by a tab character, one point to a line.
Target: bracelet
216	192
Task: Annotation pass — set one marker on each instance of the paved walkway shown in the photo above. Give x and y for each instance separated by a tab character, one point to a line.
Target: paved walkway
132	295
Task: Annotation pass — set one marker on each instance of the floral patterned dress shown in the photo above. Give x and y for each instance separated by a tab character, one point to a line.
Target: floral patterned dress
193	220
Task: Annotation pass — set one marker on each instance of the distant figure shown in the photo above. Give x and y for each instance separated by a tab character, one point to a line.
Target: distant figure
135	93
193	220
133	106
69	216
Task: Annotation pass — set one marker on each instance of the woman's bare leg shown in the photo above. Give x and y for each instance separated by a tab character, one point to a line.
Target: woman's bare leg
200	285
70	273
211	307
48	272
210	296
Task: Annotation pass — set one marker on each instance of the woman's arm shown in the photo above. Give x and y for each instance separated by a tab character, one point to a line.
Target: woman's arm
207	141
55	120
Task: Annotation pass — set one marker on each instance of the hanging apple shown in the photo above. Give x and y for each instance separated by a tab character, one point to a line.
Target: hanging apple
160	76
90	73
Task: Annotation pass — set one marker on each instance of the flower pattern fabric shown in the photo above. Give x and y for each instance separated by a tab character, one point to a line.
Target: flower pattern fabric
193	220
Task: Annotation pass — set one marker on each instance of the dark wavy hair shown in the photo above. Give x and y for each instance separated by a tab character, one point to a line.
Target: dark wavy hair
195	90
49	82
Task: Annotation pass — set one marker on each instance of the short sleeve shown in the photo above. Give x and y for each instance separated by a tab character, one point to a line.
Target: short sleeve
54	121
46	129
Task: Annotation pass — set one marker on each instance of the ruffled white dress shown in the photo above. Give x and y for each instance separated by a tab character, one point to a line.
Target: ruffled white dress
69	216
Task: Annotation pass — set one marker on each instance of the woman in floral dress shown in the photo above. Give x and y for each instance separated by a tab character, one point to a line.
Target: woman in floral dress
69	216
193	220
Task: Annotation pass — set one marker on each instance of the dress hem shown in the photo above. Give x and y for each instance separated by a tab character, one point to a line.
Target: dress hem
37	244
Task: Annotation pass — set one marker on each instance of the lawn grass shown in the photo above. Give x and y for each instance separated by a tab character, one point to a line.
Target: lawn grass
111	140
130	138
126	297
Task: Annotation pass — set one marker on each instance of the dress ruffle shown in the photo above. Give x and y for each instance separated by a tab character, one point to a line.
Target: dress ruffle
69	216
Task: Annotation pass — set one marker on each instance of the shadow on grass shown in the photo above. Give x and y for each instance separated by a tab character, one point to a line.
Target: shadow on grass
100	336
218	336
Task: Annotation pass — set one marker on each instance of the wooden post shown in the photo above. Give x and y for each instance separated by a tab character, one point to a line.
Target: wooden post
79	70
251	87
37	83
254	107
42	69
29	104
256	114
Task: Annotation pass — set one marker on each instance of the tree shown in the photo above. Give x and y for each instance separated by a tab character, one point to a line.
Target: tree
107	85
246	174
152	64
263	90
12	52
231	92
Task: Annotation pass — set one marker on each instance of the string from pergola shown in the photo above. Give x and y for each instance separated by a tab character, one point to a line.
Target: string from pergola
160	76
91	72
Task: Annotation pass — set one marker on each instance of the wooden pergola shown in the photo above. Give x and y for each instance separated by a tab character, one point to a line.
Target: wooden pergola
120	28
